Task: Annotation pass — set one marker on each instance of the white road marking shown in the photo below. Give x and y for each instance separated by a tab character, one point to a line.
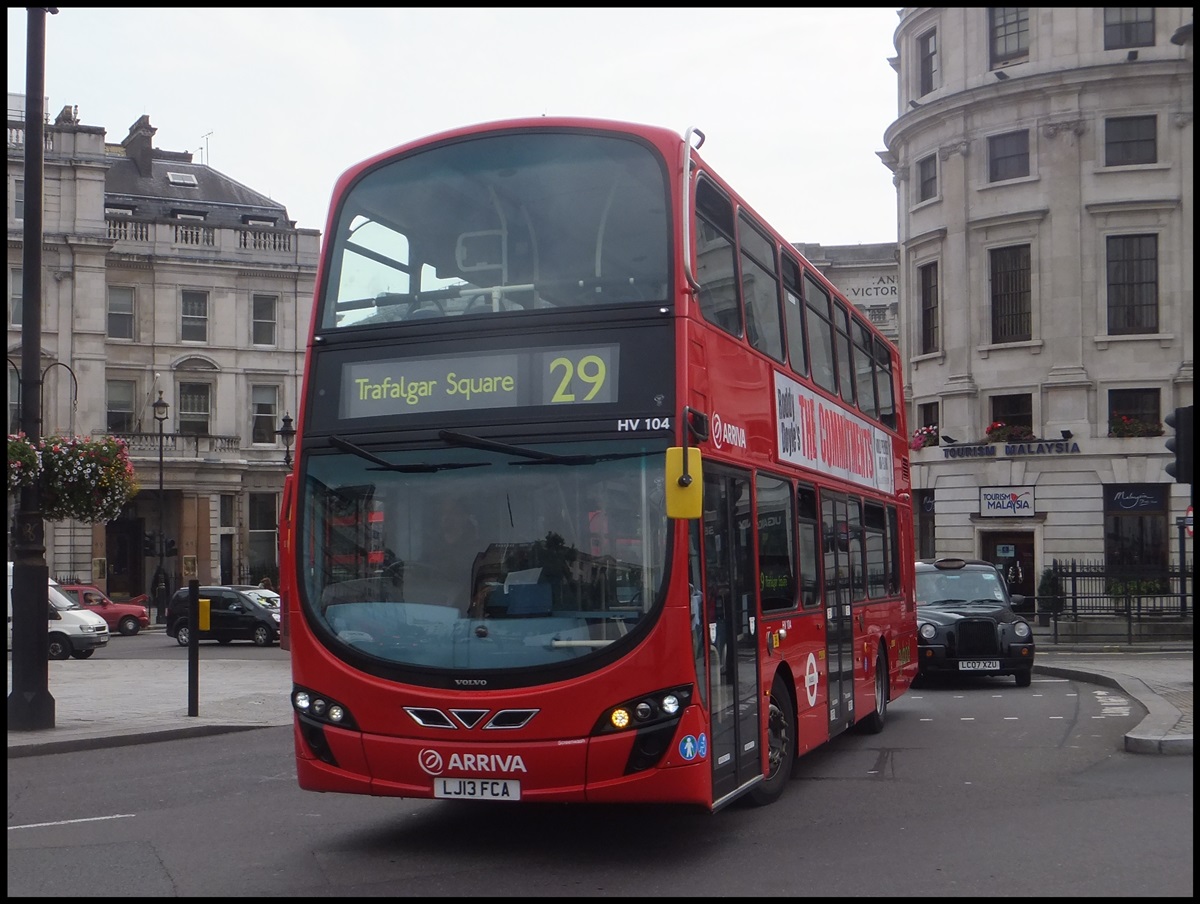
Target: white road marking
67	822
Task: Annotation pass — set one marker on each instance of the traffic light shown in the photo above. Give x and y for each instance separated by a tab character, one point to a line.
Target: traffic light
149	548
170	550
1181	444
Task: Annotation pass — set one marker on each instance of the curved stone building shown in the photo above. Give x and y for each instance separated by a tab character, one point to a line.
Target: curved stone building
1043	163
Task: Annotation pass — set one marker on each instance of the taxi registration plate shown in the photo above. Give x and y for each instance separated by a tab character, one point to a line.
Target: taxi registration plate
477	788
978	665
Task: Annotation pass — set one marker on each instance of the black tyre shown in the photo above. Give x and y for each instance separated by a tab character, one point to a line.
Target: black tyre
128	626
182	634
60	647
873	724
83	654
263	636
781	746
1024	678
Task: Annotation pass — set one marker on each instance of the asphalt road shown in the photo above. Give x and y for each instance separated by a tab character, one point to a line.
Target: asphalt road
973	789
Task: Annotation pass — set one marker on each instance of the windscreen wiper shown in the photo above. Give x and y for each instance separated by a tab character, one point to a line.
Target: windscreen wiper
534	456
422	468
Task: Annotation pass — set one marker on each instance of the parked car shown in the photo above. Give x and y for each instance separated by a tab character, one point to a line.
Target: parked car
127	618
233	615
966	623
72	630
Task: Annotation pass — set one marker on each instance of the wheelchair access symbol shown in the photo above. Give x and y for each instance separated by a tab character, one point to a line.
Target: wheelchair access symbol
691	747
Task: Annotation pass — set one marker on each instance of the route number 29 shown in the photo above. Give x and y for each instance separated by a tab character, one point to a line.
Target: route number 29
589	370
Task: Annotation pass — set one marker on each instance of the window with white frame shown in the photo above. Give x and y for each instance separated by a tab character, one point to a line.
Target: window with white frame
1009	29
119	405
16	280
120	312
14	397
927	57
1008	156
193	323
1128	26
927	186
18	199
262	328
194	409
263	540
1132	270
264	401
1130	140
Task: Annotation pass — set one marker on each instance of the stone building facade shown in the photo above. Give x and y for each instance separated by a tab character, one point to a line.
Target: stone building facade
1043	163
163	279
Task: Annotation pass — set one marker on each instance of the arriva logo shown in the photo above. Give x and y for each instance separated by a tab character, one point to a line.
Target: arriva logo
431	762
724	434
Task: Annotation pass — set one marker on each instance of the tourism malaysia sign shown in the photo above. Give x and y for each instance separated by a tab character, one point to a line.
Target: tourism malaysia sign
1006	502
813	432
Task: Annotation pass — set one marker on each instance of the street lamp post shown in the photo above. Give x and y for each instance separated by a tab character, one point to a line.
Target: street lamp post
287	433
161	408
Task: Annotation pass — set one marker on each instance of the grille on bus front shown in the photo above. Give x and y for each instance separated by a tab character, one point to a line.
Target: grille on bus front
977	637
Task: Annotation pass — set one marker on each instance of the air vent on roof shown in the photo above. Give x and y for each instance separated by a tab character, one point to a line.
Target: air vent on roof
182	179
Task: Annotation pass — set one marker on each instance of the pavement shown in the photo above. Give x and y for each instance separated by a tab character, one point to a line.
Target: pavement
120	702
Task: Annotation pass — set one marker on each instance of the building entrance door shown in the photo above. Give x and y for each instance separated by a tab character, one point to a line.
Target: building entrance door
1013	551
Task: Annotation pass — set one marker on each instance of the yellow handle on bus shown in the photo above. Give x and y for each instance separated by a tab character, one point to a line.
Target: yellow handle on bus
685	483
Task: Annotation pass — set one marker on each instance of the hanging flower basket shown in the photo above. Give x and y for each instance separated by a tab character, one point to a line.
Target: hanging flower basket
79	478
24	462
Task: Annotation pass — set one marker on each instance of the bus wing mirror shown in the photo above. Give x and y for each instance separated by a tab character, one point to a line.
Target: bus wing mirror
684	486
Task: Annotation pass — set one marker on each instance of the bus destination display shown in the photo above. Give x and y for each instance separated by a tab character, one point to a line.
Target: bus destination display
574	375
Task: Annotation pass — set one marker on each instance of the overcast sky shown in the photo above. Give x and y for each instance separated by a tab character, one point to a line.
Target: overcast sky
793	102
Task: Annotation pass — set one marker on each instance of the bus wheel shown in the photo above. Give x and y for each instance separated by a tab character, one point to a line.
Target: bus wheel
781	745
873	724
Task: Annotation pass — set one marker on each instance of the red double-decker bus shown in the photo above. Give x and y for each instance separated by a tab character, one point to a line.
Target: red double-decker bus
631	479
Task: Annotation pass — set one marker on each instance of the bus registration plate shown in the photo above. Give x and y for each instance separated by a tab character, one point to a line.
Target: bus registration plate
477	788
978	665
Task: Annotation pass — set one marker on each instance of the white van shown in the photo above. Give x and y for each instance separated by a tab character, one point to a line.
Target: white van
73	630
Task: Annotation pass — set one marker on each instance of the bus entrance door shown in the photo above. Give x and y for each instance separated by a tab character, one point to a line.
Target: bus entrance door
839	649
729	595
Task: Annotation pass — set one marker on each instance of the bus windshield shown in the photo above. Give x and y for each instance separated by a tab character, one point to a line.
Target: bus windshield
501	223
469	557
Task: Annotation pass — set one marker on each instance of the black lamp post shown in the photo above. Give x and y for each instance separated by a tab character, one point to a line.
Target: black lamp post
161	408
287	433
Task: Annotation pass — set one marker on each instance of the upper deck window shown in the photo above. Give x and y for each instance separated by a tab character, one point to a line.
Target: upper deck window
500	223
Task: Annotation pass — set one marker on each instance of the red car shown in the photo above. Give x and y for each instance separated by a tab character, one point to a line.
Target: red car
126	618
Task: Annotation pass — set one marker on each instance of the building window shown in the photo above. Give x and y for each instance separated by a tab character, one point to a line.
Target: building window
1136	540
928	277
1011	294
1014	410
18	199
1134	412
265	402
928	62
194	408
14	397
927	415
1128	26
16	280
226	510
193	325
120	395
927	186
120	312
1130	140
1010	34
1008	156
1132	284
263	326
262	552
